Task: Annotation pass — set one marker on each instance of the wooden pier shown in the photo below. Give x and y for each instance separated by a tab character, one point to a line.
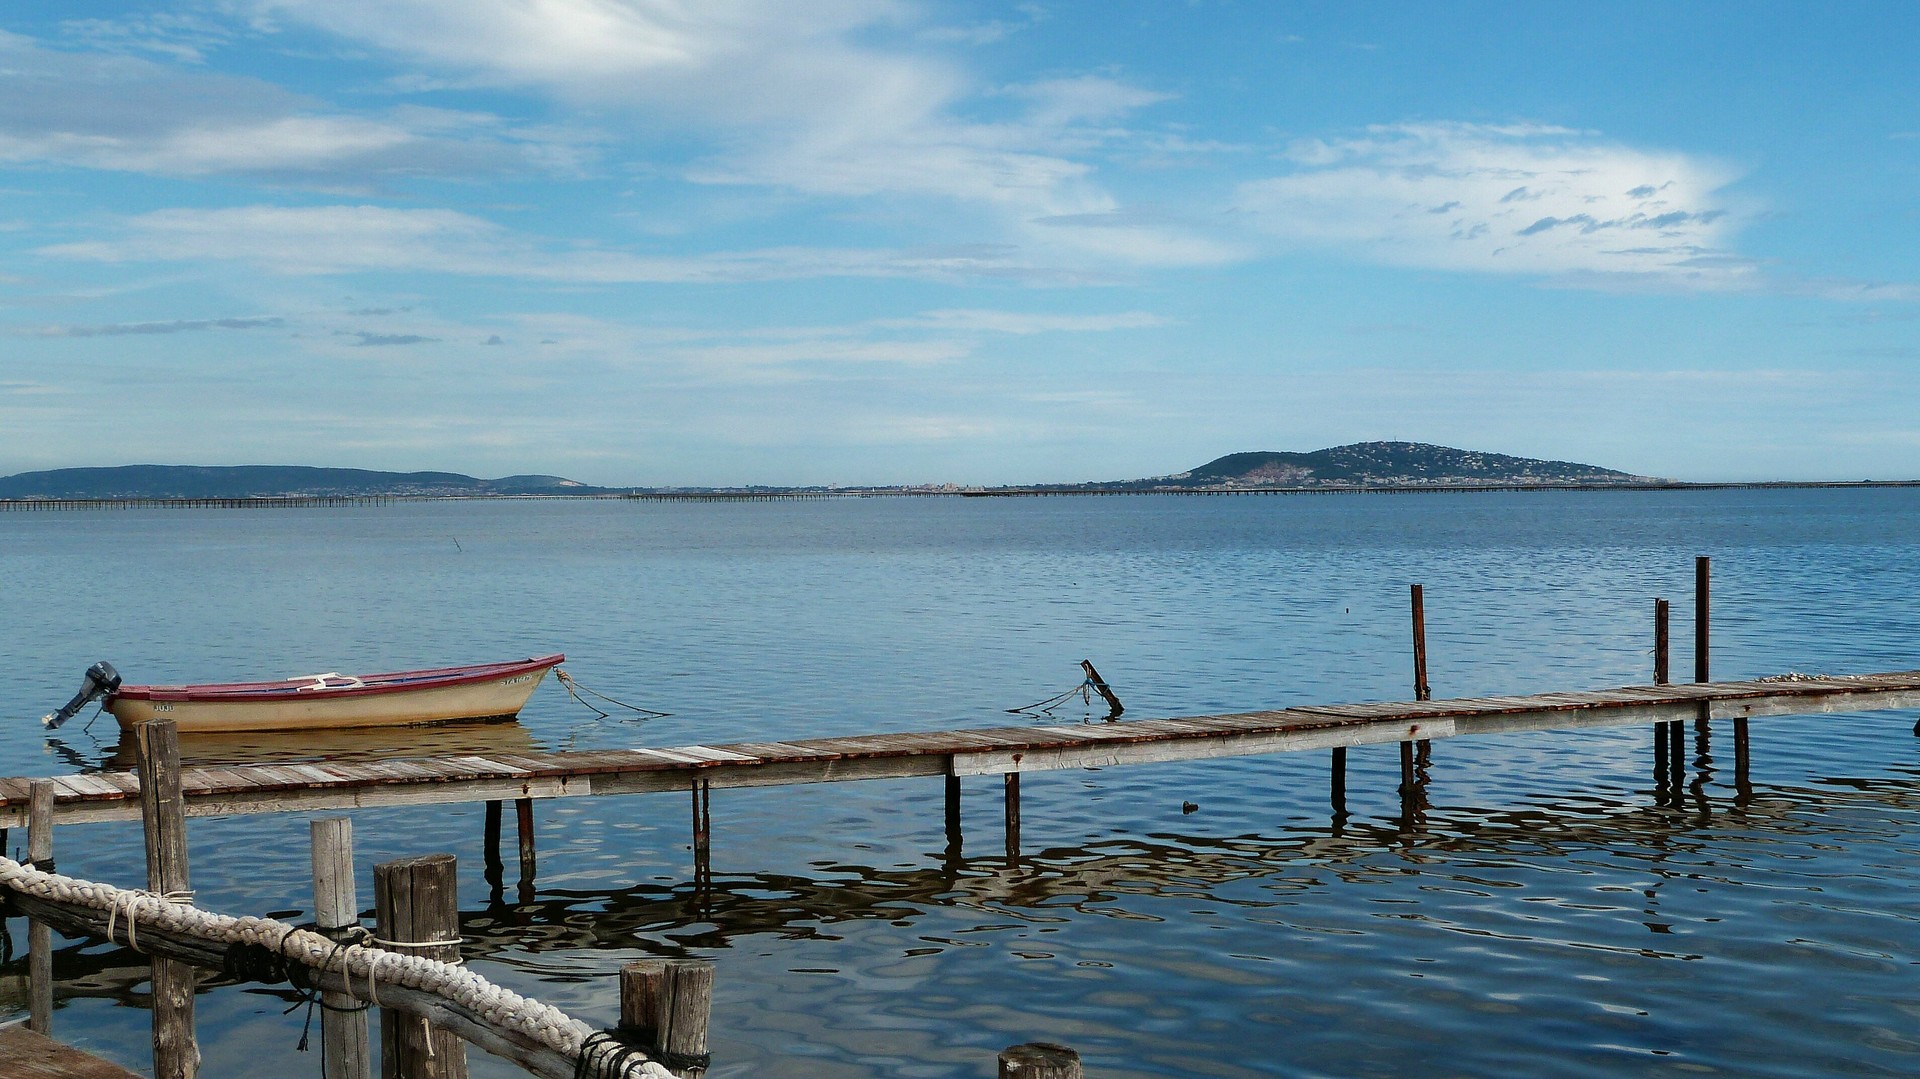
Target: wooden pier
1007	751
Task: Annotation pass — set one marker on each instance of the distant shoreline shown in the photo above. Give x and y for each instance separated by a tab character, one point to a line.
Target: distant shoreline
785	494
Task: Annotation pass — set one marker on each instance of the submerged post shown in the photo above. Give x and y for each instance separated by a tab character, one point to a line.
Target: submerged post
39	934
665	1005
1039	1060
416	911
163	813
346	1052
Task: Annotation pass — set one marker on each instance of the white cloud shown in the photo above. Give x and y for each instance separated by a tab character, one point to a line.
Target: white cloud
1025	322
824	99
1506	199
353	239
123	113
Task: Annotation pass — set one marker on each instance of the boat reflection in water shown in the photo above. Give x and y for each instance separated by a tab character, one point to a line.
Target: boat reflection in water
361	744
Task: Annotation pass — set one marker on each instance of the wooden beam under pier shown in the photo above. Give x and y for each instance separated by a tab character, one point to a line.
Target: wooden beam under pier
264	788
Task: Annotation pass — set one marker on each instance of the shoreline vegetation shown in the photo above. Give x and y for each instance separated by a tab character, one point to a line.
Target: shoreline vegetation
1370	467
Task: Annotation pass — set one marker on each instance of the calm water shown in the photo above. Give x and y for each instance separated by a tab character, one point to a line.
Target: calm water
1546	918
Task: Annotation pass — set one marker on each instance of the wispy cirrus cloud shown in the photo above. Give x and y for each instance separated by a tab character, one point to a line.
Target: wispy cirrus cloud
123	329
107	110
842	99
1526	199
316	240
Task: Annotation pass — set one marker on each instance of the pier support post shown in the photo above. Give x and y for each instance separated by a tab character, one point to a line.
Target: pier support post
953	810
523	813
1340	780
1013	817
490	846
1421	690
416	906
163	813
39	934
346	1052
1039	1060
665	1005
702	834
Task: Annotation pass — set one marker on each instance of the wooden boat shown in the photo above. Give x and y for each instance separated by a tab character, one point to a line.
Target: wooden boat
331	701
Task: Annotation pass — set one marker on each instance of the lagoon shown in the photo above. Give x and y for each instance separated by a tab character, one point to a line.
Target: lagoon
1548	918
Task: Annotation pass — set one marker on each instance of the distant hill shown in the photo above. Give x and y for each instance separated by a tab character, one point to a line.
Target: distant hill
268	481
1388	464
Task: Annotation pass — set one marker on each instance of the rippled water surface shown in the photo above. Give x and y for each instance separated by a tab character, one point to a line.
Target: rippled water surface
1549	915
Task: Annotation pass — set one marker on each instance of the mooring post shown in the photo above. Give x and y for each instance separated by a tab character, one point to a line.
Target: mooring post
1040	1060
1013	816
1100	686
346	1052
1702	571
665	1005
416	906
163	814
523	812
1661	734
1661	610
40	934
1421	690
490	846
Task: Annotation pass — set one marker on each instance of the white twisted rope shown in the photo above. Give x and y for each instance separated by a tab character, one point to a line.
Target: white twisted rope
500	1007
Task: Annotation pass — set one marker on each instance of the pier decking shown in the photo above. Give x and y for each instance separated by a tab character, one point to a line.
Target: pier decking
263	788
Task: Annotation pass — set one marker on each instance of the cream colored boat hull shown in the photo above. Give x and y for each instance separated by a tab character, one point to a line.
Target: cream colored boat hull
495	698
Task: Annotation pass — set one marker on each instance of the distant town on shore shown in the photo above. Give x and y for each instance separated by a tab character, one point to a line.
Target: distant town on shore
1357	467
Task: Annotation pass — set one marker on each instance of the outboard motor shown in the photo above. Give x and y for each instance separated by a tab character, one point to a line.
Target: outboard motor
101	679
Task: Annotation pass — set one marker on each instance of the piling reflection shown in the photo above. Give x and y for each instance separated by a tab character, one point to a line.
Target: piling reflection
1459	846
371	743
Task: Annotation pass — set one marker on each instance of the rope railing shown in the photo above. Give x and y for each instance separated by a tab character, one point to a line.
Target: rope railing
269	949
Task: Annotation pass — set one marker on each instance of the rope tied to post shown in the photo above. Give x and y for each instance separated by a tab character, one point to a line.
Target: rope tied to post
297	948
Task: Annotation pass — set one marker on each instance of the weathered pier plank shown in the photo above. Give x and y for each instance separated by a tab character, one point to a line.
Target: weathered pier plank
243	789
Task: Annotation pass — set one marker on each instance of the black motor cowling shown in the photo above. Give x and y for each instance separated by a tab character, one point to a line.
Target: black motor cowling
101	679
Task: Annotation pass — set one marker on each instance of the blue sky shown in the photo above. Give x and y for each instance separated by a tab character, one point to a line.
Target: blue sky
874	241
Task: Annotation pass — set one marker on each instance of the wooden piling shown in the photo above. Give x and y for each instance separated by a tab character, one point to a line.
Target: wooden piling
953	811
1040	1060
39	933
346	1052
490	845
1421	690
1702	572
665	1005
1013	816
1339	779
523	812
417	911
1661	640
163	813
1100	686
